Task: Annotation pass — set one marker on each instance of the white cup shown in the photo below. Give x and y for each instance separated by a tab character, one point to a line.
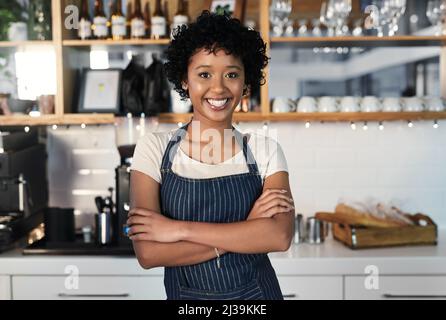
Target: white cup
413	104
282	104
370	104
349	104
434	104
391	104
327	104
18	31
307	104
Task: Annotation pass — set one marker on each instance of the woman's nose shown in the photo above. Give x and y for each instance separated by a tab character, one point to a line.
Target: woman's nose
218	85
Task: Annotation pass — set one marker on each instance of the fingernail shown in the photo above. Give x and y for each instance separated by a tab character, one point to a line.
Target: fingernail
291	200
284	191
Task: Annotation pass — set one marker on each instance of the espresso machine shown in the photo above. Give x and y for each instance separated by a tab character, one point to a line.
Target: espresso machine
123	195
23	185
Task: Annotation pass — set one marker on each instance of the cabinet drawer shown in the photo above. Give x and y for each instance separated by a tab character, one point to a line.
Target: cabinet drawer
89	287
311	288
5	288
396	287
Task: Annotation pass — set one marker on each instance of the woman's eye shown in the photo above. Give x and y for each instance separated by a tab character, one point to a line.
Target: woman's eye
204	75
232	75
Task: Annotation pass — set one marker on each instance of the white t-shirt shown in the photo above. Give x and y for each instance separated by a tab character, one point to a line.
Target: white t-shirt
150	149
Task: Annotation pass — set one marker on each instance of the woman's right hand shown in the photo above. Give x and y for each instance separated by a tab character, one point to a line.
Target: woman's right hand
270	203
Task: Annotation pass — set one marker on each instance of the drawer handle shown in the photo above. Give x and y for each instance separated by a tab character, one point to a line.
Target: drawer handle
117	295
290	295
412	296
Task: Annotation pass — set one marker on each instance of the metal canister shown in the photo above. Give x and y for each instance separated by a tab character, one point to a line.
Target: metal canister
104	227
299	228
315	231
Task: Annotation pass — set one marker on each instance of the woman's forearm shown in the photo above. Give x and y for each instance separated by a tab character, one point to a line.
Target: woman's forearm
152	254
253	236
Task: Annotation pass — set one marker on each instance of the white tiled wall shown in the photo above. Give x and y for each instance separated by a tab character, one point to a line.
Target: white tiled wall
402	165
327	162
81	166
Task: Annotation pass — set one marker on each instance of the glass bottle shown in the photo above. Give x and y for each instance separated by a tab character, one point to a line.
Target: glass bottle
118	22
40	20
100	30
84	31
137	23
158	22
181	17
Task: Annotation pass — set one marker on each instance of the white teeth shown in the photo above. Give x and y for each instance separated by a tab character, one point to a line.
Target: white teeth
217	103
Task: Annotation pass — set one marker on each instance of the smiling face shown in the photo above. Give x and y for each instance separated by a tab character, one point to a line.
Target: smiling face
215	82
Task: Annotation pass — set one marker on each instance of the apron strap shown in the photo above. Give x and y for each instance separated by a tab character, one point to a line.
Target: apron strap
174	143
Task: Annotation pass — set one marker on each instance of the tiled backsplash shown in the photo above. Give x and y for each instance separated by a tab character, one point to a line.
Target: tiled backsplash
81	166
327	162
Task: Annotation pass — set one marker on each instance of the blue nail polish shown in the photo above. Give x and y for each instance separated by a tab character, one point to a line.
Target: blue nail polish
126	230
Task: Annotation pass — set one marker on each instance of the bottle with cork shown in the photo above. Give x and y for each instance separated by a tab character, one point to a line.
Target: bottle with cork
181	17
84	31
118	22
159	24
137	22
100	30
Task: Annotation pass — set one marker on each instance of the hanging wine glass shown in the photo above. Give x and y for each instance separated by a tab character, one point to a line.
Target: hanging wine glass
398	7
434	11
327	18
279	13
385	15
341	10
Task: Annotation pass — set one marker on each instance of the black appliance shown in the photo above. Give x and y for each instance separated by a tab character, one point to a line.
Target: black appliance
23	185
123	195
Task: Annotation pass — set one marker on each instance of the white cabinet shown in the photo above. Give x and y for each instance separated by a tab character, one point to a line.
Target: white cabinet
88	287
395	287
5	288
311	287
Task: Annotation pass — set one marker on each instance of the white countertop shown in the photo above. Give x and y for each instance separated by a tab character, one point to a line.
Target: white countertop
329	258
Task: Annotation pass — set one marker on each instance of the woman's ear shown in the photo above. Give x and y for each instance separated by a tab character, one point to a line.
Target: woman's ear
184	85
246	90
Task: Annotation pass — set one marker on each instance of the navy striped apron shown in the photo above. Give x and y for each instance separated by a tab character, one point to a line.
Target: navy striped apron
217	200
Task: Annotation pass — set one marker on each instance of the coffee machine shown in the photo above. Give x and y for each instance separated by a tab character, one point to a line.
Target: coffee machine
123	195
23	184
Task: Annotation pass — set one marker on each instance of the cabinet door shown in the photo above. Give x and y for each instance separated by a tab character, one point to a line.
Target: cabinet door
311	287
88	287
395	287
5	288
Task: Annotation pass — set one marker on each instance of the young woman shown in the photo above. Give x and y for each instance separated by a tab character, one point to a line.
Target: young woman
207	202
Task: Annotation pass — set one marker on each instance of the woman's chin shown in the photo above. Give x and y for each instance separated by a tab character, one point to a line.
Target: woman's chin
217	114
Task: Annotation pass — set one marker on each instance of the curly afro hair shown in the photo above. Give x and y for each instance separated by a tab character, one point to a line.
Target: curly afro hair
214	32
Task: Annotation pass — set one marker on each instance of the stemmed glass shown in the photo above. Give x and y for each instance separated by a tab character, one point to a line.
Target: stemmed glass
341	9
399	8
385	15
435	11
279	15
328	18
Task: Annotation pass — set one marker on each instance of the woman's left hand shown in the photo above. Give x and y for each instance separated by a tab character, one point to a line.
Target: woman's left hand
152	226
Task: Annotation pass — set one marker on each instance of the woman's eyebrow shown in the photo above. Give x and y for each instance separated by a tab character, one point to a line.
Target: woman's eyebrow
228	67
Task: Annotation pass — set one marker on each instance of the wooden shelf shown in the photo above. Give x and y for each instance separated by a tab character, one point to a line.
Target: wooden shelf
110	42
357	116
67	119
316	117
14	44
185	117
366	41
